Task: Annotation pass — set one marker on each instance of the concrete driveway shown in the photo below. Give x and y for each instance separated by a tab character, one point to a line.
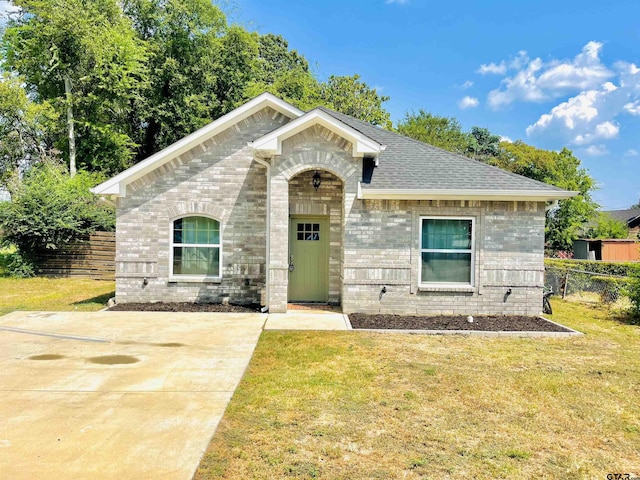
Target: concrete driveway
126	395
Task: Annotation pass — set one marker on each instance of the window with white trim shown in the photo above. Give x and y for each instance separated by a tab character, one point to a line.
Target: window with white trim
447	251
195	247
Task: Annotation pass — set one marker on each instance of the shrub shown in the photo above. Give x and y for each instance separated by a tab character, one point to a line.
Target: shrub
633	291
18	266
49	209
621	269
611	287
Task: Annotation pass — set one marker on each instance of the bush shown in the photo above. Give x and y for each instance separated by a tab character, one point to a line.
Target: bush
611	288
49	209
621	269
17	266
633	291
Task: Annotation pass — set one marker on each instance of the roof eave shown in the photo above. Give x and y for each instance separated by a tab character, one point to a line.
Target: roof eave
464	194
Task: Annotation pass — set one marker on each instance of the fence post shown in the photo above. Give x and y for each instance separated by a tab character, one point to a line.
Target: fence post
566	283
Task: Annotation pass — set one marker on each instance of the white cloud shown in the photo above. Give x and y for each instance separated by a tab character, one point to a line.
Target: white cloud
596	150
592	114
631	153
468	102
493	68
602	131
467	84
534	80
633	107
505	139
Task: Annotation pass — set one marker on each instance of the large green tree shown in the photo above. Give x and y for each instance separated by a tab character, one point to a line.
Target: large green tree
442	132
563	170
83	57
25	128
182	38
351	96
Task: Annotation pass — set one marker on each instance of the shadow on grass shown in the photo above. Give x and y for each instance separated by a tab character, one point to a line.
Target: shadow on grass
626	319
100	299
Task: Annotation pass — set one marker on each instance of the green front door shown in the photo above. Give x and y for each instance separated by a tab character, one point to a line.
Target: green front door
308	259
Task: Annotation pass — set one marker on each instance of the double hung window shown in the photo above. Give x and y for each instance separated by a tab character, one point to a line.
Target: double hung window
446	251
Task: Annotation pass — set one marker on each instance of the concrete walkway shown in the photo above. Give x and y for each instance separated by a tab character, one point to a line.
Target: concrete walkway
307	320
116	395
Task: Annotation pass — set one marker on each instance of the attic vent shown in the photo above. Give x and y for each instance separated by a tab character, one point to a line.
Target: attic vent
368	164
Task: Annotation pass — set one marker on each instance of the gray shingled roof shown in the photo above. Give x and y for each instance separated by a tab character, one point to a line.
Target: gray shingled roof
625	216
413	165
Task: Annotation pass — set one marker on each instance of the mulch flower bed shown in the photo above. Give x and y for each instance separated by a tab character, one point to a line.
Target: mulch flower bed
184	307
487	323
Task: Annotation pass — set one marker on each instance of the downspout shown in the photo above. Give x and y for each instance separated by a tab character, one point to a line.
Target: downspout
268	252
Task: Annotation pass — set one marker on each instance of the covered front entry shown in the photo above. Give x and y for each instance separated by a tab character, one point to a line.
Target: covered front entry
308	259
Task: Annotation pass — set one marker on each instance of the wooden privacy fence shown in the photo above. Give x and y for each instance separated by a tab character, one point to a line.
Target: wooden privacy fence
94	258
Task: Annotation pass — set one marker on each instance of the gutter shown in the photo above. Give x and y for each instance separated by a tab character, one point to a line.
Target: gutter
464	194
268	252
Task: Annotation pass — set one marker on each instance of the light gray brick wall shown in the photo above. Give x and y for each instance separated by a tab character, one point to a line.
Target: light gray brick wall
381	249
219	179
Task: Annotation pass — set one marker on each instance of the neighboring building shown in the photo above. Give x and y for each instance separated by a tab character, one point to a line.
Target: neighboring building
631	217
273	205
607	250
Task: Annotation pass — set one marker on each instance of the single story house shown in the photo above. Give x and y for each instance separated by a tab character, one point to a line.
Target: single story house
272	205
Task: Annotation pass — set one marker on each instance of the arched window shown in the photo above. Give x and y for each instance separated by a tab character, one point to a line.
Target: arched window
195	247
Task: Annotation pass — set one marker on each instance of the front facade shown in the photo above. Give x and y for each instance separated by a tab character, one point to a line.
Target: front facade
270	205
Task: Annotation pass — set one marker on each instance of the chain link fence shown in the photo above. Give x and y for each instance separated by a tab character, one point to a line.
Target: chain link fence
583	286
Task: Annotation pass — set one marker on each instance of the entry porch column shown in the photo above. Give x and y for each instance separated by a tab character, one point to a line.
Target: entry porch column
278	274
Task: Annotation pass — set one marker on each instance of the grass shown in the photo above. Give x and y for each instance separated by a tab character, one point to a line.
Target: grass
54	294
356	405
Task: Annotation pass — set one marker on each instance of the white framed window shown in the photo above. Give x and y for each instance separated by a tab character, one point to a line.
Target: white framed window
447	253
196	247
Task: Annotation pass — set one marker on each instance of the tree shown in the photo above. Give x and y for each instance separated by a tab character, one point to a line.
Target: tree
82	56
635	205
563	170
442	132
25	131
483	145
284	73
605	226
184	65
353	97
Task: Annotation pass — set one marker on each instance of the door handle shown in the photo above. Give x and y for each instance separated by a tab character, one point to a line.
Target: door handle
291	267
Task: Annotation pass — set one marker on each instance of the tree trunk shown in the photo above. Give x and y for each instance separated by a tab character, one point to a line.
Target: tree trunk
72	138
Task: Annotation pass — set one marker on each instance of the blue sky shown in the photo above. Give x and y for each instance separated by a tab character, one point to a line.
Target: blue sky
551	73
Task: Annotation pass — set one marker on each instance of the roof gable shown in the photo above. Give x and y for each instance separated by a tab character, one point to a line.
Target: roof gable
271	143
117	185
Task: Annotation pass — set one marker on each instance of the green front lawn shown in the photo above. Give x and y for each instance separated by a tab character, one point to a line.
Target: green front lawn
54	294
354	405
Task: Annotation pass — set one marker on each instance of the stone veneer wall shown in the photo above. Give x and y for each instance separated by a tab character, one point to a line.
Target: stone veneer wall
218	178
382	248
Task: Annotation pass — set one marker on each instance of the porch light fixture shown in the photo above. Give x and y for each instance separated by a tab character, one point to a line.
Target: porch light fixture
316	180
